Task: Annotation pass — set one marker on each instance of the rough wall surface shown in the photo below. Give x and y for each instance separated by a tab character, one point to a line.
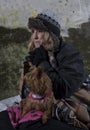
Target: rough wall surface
71	13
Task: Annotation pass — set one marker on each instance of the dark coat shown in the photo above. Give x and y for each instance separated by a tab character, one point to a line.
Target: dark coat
69	73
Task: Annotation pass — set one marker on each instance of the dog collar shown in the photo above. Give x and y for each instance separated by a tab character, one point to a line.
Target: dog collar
37	96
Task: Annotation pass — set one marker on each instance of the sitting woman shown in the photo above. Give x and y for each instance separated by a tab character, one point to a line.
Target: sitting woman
62	63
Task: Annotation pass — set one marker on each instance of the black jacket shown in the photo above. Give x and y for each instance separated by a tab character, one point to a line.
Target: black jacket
69	73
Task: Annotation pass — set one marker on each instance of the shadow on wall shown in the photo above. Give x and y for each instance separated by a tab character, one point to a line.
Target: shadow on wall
80	37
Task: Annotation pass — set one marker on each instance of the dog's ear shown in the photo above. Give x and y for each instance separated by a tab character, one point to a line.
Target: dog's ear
31	66
39	72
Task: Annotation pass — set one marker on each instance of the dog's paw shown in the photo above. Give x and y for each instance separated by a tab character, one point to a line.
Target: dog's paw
44	118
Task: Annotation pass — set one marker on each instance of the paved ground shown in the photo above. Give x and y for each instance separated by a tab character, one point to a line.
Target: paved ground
9	102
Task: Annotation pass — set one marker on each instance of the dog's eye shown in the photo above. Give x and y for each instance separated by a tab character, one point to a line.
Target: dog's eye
26	90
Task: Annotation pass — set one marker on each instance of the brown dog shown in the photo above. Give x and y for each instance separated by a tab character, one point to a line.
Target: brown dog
41	96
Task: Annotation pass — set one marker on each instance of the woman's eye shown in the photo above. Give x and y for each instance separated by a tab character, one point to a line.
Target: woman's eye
40	31
32	31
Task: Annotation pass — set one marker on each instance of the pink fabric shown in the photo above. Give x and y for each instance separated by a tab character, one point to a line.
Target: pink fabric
15	115
14	112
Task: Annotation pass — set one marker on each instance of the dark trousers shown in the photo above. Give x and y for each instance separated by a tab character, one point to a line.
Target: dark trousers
52	124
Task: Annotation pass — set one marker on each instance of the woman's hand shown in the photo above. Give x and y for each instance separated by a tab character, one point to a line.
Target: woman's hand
36	57
40	55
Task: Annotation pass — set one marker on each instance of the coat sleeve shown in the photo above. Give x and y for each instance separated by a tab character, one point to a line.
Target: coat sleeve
69	75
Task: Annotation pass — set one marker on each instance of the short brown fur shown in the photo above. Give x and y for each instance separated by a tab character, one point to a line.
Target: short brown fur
38	83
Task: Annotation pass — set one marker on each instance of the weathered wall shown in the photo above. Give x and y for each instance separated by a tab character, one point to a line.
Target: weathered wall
71	13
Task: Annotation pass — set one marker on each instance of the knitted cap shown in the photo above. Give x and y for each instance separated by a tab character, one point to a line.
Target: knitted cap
45	21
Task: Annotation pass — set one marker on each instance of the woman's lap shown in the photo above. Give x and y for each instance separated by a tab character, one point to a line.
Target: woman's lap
5	123
52	124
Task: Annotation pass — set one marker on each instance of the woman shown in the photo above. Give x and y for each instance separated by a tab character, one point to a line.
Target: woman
61	61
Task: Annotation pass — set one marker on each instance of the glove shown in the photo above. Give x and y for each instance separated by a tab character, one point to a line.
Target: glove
36	56
40	55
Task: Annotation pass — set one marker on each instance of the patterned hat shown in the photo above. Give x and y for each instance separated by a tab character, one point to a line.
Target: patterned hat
45	21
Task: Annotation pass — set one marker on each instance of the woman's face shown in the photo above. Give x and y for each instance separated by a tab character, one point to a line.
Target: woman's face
37	37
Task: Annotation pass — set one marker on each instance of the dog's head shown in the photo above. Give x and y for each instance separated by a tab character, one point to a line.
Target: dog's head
37	80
